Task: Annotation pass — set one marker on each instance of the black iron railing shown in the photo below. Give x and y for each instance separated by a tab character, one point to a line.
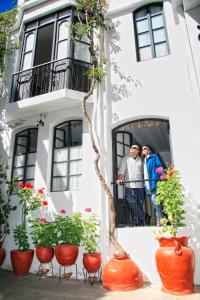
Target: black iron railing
49	77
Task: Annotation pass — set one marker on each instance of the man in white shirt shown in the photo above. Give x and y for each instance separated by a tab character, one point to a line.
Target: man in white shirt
131	171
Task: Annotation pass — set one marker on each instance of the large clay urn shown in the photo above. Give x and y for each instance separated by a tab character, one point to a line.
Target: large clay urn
175	264
2	253
21	261
66	255
92	262
121	274
44	254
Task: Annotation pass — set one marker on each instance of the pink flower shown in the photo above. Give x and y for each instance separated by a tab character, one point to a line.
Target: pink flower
21	185
172	167
41	191
44	202
43	220
62	211
88	209
159	170
28	185
163	176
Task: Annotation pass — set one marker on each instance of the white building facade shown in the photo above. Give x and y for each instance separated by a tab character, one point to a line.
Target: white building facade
151	95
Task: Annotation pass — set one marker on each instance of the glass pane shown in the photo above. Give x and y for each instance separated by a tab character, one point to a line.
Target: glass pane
59	184
157	22
75	167
155	9
29	42
120	149
59	144
161	49
127	150
60	138
27	64
127	139
18	172
142	26
81	52
62	49
145	53
74	182
120	192
159	35
20	149
144	39
31	159
119	161
76	152
140	14
60	169
120	137
60	155
19	160
33	140
47	19
63	30
76	133
30	172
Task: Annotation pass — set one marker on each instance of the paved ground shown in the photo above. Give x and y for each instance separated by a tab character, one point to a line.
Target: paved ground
30	288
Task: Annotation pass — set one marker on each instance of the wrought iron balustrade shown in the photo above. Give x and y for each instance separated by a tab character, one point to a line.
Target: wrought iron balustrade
49	77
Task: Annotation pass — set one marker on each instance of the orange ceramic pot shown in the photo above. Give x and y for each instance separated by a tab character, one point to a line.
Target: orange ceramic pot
2	253
175	264
21	261
121	274
44	254
66	255
92	262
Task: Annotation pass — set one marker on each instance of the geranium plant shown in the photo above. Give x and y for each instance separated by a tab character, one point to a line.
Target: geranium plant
68	230
169	195
29	201
91	231
43	232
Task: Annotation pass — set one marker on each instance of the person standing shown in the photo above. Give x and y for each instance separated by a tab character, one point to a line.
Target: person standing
151	163
131	171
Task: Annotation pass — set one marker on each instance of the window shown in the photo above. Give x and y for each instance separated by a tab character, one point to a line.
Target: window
151	34
67	156
25	155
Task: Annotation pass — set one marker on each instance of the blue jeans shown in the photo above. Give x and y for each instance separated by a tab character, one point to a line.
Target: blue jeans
157	208
135	199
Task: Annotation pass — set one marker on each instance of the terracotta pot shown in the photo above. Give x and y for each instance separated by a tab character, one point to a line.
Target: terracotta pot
92	262
121	274
175	264
2	253
66	255
21	261
44	254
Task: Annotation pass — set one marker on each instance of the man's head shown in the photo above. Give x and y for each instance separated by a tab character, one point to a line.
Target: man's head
146	150
134	150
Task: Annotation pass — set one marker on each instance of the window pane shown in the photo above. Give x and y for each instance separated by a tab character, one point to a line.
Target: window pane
157	21
127	150
76	152
60	155
75	167
59	184
127	139
145	53
120	137
161	49
155	9
119	161
159	35
19	160
74	182
120	149
76	133
63	30
81	52
21	144
142	26
60	169
18	172
62	49
29	42
33	140
27	64
143	39
31	159
30	171
140	14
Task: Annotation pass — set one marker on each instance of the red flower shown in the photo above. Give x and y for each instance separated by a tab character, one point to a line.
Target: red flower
21	185
62	211
88	209
163	176
41	191
28	185
171	174
43	220
44	202
159	170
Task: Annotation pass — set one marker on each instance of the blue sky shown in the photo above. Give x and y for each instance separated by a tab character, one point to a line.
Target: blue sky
7	5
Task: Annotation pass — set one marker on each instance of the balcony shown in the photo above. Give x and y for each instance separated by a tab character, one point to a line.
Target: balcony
49	77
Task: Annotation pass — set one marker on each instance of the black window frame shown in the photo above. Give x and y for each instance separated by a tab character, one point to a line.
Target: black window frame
68	145
150	30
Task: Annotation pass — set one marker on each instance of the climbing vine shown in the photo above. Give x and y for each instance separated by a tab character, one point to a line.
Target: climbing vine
91	24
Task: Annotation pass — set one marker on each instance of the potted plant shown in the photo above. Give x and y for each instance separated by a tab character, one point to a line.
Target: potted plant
92	259
6	188
69	234
174	259
29	200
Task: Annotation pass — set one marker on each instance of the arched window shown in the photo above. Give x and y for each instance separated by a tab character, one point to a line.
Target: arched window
67	156
150	32
25	155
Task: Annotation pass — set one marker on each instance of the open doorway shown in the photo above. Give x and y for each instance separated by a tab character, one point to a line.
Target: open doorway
152	132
